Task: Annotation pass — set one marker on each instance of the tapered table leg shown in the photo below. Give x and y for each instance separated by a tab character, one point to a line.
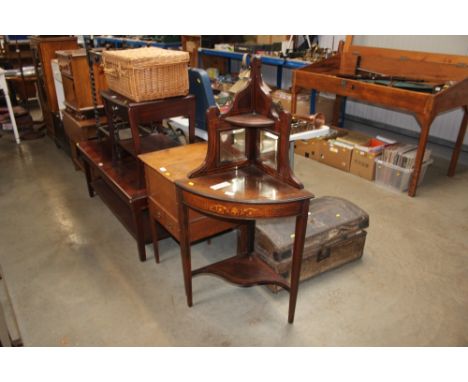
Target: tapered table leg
185	247
154	237
298	248
139	229
425	124
459	143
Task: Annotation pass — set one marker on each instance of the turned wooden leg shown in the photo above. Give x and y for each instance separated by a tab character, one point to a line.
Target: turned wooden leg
298	248
140	231
185	247
459	143
154	237
425	125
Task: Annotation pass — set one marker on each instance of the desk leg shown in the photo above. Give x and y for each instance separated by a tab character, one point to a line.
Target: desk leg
299	237
185	247
139	229
425	125
459	143
154	237
294	93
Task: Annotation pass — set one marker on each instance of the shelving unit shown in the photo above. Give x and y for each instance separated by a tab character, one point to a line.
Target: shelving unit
123	42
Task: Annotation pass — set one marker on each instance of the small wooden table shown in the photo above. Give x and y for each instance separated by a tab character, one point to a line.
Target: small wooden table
251	194
137	113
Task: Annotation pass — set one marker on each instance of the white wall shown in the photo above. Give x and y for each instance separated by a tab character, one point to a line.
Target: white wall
446	125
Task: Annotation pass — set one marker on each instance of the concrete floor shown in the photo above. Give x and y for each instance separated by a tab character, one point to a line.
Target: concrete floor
75	280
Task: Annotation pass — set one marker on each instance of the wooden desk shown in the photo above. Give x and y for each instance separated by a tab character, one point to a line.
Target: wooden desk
325	76
252	194
117	186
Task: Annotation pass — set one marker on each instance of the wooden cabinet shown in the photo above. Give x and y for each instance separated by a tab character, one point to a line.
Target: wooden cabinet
76	80
78	130
44	49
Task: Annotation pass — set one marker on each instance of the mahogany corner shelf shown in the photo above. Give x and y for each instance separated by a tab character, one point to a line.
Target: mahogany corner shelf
256	182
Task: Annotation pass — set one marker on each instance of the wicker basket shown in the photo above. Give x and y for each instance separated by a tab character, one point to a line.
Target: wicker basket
145	74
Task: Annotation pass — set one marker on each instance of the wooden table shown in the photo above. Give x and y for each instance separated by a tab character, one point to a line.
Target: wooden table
325	76
251	194
137	113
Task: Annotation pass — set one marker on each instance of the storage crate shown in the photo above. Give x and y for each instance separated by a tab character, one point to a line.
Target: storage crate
395	177
146	74
335	235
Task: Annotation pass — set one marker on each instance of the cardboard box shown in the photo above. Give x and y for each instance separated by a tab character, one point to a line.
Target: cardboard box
335	154
324	104
310	148
270	39
363	159
307	148
355	138
283	98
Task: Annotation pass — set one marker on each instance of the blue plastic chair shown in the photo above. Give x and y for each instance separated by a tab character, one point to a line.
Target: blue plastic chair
200	87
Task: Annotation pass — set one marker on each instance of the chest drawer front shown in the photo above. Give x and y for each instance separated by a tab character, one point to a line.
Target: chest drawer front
162	190
169	222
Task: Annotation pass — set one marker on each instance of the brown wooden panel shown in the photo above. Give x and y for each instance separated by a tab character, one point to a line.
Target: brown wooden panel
405	67
455	96
376	94
412	55
46	48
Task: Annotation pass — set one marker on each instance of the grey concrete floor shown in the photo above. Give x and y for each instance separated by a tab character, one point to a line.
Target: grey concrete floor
75	280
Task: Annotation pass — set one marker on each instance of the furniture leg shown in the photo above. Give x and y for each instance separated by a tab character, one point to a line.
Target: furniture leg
294	92
154	236
459	143
191	118
298	248
139	230
89	179
425	125
133	122
338	118
185	247
245	238
111	128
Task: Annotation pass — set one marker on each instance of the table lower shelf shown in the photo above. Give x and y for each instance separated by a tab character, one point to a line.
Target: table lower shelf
245	271
149	143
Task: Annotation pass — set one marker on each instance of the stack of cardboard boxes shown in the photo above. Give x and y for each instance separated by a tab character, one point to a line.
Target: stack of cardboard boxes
346	150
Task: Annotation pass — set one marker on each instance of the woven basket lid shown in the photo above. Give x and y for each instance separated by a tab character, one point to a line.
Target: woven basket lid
148	55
